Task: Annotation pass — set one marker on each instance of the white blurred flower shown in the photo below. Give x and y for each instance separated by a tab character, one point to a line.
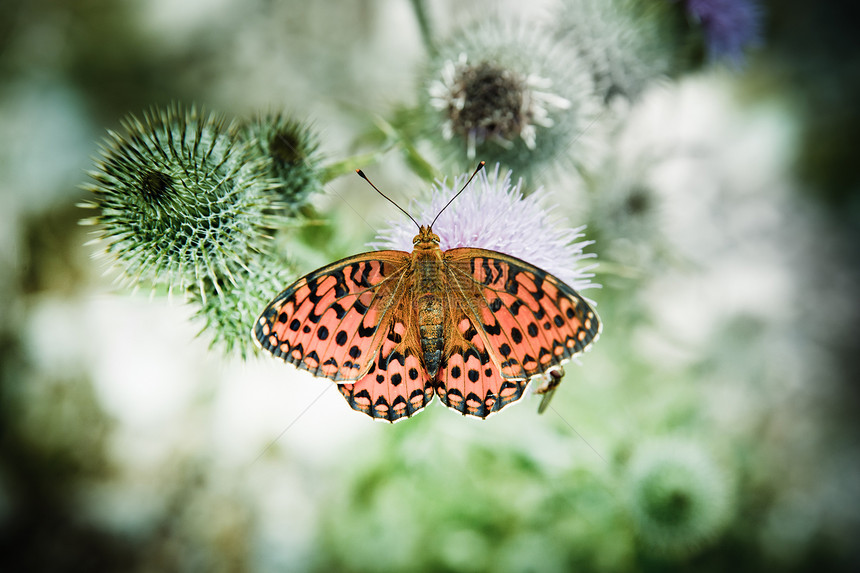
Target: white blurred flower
506	94
629	44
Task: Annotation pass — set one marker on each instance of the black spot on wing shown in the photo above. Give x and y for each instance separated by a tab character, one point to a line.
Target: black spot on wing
366	331
493	329
471	353
516	335
470	333
340	289
338	309
488	273
497	264
314	295
359	306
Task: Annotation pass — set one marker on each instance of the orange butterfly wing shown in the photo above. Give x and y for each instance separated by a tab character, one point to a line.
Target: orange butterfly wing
519	321
341	322
397	385
353	322
469	381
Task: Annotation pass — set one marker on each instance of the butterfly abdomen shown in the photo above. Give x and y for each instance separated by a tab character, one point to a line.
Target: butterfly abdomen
428	305
430	318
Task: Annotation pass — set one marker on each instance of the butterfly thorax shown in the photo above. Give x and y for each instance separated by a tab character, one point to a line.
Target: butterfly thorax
428	305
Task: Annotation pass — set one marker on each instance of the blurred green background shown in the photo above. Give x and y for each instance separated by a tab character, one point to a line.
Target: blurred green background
723	386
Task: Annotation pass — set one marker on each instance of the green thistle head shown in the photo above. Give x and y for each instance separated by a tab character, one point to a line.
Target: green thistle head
227	309
290	151
180	201
506	95
679	498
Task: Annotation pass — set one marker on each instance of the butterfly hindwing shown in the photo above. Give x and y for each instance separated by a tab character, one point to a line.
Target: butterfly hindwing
330	322
469	381
397	385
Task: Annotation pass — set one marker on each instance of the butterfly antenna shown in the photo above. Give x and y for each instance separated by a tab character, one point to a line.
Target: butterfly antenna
363	176
480	166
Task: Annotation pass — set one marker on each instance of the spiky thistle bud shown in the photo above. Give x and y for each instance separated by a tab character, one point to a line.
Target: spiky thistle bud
290	151
628	44
679	498
227	310
179	199
507	95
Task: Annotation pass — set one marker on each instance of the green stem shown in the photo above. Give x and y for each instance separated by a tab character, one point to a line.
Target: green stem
393	138
350	164
420	9
419	165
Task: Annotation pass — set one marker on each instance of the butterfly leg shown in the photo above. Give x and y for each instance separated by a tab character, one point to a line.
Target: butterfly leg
551	380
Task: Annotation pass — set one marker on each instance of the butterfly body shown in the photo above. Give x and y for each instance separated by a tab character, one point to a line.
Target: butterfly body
471	326
427	266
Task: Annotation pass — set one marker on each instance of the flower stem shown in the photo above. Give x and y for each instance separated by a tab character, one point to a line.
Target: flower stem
350	164
393	137
424	25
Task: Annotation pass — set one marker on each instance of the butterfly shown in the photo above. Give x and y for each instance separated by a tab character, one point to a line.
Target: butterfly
392	329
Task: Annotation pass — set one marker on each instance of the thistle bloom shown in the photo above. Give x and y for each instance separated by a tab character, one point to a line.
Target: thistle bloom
179	200
508	96
679	498
730	26
494	214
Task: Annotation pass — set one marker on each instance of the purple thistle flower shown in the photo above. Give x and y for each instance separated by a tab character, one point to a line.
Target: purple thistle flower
494	214
729	26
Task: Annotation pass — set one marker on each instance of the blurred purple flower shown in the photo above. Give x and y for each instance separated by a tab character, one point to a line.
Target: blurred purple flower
494	214
729	26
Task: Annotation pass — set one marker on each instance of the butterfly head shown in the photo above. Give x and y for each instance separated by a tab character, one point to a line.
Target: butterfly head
426	238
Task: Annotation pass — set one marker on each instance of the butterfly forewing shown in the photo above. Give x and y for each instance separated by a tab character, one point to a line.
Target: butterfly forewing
530	319
331	321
